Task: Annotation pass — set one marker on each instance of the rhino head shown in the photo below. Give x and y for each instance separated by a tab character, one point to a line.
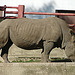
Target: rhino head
70	47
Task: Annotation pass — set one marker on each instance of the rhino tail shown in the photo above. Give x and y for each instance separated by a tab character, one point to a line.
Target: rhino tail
4	37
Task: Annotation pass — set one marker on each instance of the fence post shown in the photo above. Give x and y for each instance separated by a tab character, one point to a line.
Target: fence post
20	11
4	11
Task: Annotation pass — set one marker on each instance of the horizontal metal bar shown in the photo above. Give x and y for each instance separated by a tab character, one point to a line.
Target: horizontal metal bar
42	13
1	6
1	17
11	7
8	7
11	17
11	12
71	25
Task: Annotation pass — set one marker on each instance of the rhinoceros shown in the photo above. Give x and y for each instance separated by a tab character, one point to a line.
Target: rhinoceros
25	33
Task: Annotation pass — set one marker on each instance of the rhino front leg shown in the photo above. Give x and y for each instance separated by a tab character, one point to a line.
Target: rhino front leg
4	53
48	46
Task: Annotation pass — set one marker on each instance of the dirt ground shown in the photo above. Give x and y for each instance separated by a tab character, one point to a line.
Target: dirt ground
15	53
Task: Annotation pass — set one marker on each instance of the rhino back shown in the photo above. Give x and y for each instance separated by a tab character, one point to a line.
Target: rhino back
26	32
53	30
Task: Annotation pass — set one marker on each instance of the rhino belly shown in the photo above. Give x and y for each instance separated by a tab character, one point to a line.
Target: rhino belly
23	43
26	39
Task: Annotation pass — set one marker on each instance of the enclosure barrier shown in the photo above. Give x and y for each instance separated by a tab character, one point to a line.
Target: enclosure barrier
43	13
21	13
37	69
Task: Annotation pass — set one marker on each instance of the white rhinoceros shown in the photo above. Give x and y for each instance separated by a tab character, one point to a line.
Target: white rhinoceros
29	34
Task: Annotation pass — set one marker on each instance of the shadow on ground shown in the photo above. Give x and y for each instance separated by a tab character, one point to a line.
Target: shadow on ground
60	60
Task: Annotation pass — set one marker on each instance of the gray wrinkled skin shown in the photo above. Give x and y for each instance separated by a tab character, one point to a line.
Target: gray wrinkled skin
30	34
70	49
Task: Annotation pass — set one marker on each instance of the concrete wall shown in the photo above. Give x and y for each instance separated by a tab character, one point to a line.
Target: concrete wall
37	69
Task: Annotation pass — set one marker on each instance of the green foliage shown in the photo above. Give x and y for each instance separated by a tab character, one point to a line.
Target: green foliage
33	60
22	61
38	60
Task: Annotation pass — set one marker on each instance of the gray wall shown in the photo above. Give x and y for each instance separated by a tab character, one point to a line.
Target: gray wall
37	69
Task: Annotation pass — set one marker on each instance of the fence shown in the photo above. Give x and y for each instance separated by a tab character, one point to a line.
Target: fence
20	11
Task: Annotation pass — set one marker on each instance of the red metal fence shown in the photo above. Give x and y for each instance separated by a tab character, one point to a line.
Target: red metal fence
21	12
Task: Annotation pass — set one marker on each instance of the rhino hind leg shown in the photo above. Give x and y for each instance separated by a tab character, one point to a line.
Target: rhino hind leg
4	53
48	46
